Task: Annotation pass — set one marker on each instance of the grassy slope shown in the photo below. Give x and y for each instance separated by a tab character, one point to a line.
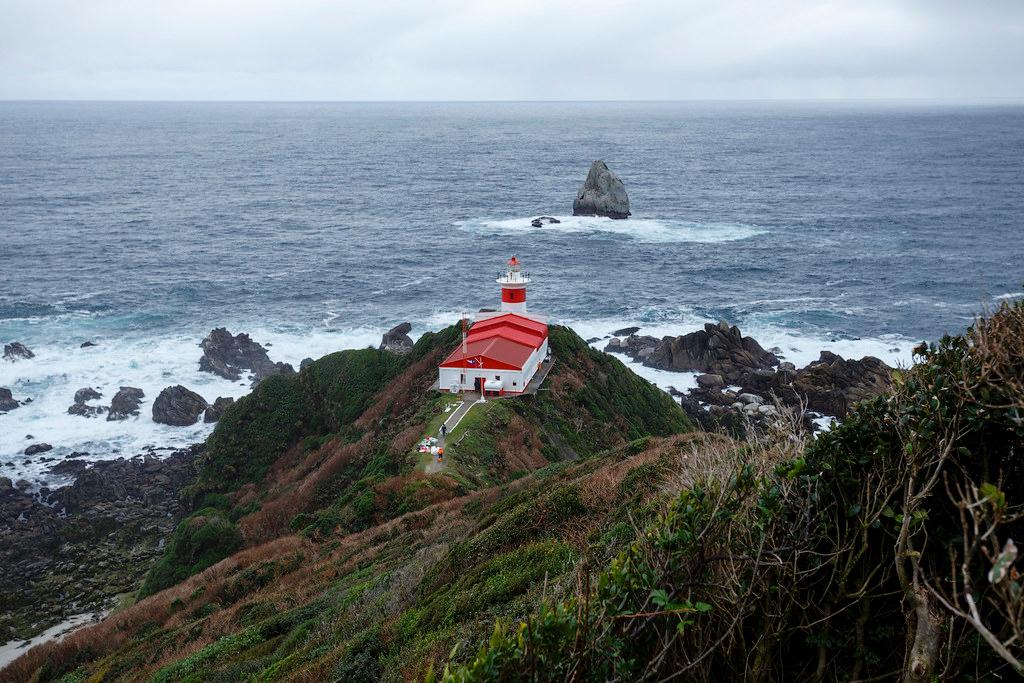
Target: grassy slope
354	565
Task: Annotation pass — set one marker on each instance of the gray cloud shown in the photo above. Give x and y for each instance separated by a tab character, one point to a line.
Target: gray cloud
530	49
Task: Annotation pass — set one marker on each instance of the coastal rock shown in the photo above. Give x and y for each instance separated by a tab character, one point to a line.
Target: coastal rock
17	351
541	220
602	194
81	408
216	411
397	339
125	403
85	345
38	448
178	406
87	394
625	331
305	363
832	385
7	401
227	355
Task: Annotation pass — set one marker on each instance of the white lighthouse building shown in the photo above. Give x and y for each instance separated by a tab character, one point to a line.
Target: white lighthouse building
504	349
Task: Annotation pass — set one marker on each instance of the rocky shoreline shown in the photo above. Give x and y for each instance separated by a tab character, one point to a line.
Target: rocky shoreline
79	547
740	382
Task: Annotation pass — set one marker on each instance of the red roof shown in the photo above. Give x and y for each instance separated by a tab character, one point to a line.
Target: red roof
503	342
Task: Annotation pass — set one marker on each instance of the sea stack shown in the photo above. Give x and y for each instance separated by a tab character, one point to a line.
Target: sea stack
602	194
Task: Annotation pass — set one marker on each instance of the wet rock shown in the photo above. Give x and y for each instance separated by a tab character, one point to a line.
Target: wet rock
306	362
228	355
602	194
85	345
87	394
397	339
216	411
832	384
717	349
625	331
541	220
125	403
38	448
17	351
178	406
710	381
6	485
7	401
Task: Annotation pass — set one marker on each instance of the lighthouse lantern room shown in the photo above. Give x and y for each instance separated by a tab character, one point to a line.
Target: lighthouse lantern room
503	349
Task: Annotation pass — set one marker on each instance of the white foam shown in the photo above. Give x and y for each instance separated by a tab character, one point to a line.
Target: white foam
12	650
640	229
1009	296
58	370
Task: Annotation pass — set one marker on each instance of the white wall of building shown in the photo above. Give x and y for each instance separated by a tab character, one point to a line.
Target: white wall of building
512	380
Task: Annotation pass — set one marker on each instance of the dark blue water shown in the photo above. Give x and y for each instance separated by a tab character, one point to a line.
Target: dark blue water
327	222
892	219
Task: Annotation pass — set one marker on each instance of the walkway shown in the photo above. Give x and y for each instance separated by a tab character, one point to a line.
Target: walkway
468	401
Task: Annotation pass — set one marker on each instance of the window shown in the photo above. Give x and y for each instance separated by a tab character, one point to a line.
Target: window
513	383
497	377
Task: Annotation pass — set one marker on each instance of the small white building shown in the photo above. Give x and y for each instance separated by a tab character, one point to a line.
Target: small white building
503	350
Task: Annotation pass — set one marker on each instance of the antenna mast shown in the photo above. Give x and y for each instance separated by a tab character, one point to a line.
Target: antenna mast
465	329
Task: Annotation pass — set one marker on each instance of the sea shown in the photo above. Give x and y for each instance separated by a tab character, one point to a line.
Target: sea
861	228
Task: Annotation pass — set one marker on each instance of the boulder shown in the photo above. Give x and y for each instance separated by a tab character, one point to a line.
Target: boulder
541	220
178	406
710	381
87	394
38	448
305	363
7	401
17	351
397	339
85	345
125	403
625	331
602	194
81	408
216	411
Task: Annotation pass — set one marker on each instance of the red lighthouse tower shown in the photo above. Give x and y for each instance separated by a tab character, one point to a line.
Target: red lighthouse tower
513	287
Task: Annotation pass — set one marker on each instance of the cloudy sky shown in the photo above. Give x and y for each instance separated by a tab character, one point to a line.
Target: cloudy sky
511	49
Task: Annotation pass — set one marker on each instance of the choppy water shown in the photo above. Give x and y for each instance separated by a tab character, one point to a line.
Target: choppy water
316	226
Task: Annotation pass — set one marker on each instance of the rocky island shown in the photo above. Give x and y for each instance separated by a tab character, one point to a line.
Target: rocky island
602	194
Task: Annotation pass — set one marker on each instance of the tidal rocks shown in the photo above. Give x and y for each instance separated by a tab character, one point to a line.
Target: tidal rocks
602	194
178	406
305	363
7	401
397	339
87	344
17	351
625	331
541	220
81	406
216	411
832	384
38	448
75	548
717	349
125	403
228	355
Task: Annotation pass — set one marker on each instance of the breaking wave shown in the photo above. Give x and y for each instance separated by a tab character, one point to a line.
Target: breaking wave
639	229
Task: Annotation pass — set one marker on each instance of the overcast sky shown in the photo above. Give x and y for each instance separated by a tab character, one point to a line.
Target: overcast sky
511	49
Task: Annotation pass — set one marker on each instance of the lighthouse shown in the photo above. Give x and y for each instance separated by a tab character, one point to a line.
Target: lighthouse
503	350
513	287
